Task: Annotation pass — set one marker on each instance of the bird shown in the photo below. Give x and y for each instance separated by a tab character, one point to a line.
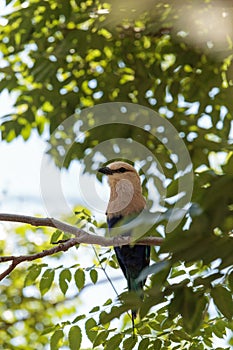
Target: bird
126	200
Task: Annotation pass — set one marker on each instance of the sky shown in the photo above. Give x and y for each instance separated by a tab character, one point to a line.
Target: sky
20	177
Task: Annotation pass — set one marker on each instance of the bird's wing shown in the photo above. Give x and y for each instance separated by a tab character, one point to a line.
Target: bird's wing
113	221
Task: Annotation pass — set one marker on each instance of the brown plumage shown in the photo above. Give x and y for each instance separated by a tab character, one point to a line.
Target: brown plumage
126	193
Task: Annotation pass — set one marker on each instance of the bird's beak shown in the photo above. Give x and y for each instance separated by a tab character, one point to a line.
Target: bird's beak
105	170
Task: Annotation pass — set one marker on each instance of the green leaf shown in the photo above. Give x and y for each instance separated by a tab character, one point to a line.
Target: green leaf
193	310
144	344
116	312
182	334
152	269
75	338
113	264
32	275
46	281
223	300
101	338
56	234
219	328
55	340
206	281
108	302
155	325
155	299
144	330
230	280
89	325
78	318
49	329
157	345
114	342
26	131
129	343
79	277
190	305
64	276
94	276
227	168
94	309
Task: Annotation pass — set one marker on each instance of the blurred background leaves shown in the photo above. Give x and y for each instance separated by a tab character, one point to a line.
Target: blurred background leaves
60	57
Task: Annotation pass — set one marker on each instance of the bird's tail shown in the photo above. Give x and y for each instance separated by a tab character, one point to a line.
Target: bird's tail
136	287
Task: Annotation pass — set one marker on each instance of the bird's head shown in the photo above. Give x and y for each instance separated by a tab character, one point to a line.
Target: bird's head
117	171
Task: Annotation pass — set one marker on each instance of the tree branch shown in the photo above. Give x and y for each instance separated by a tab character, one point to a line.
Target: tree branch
81	236
16	260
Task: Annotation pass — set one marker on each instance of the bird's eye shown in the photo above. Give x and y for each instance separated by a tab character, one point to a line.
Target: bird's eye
122	170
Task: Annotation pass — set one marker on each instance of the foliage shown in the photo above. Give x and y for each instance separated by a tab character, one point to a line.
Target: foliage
63	56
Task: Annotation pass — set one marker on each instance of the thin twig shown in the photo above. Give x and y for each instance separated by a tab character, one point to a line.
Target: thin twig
16	260
104	271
